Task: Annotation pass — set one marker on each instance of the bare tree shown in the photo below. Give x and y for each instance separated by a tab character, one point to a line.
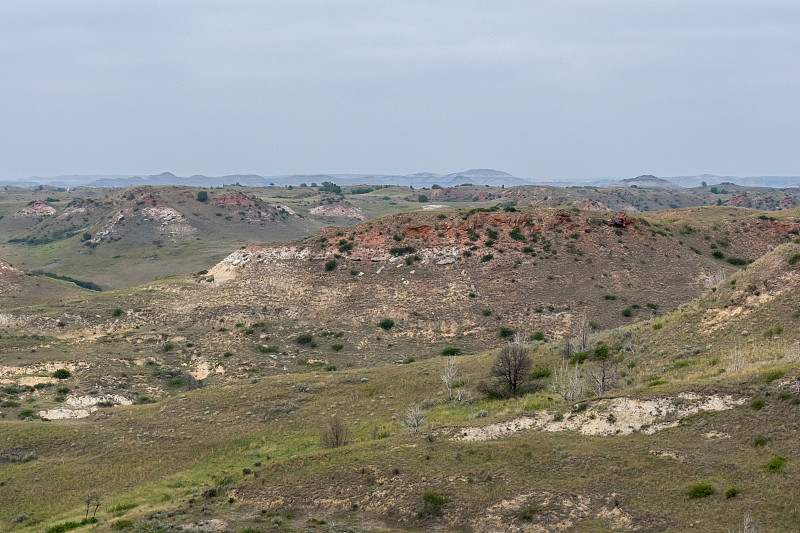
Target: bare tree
568	383
335	434
512	366
567	349
736	360
413	418
747	526
582	332
448	375
92	501
604	374
712	279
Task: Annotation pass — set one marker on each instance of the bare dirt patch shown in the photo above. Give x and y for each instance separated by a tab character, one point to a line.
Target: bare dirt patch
608	416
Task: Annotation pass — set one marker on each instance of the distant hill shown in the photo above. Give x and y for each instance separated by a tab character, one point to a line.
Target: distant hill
425	179
649	180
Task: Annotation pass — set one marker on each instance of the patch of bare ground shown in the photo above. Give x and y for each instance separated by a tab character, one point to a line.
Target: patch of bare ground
607	416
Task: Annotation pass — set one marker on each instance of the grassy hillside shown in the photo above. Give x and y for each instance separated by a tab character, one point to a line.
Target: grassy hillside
199	402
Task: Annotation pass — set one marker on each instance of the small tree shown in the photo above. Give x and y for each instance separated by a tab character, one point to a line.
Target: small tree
202	196
512	366
582	332
335	434
449	372
92	502
413	418
567	383
604	375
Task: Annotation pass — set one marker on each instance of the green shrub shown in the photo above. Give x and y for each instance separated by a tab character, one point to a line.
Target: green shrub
700	490
578	358
330	265
506	332
433	503
794	259
268	349
26	413
516	234
776	464
386	324
737	261
117	312
731	493
451	351
487	312
402	250
202	196
610	297
540	372
658	326
758	404
305	338
527	514
627	312
775	374
62	373
718	255
486	258
336	347
537	336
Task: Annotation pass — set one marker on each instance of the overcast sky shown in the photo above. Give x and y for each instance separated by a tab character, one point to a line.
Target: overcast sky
555	89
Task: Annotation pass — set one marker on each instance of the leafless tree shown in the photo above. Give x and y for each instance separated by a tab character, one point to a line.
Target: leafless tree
714	278
747	526
512	366
448	375
736	360
566	349
413	418
92	503
335	434
582	333
568	383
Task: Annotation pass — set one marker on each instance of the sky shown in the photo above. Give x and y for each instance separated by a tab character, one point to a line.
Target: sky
543	90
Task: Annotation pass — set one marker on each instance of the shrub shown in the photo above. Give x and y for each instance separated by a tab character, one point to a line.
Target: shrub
658	326
578	358
486	258
335	434
432	503
627	312
558	417
758	404
700	490
202	196
402	250
527	514
737	261
451	351
330	265
537	336
541	372
117	312
610	297
119	525
794	259
776	464
268	349
506	332
718	255
336	347
772	376
516	234
61	373
487	312
305	338
386	324
731	493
